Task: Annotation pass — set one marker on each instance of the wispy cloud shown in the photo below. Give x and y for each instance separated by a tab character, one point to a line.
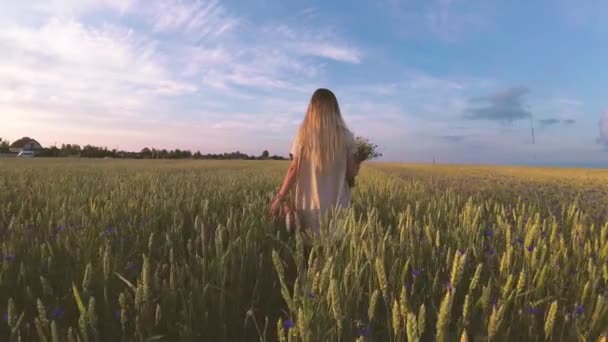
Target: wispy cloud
548	122
506	105
452	138
65	62
553	121
78	7
582	13
201	19
448	20
58	66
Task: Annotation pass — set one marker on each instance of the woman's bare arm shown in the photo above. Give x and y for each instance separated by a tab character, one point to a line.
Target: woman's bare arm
290	179
288	182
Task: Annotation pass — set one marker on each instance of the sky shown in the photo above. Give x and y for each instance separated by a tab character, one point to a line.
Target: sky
461	81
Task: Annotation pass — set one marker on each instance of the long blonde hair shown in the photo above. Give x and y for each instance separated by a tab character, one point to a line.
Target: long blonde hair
322	134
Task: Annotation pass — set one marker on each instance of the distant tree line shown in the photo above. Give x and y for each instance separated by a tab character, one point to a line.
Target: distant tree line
4	146
90	151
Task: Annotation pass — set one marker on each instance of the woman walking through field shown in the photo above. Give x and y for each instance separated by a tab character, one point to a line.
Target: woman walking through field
323	165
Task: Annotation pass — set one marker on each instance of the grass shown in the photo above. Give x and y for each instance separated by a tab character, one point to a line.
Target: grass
96	250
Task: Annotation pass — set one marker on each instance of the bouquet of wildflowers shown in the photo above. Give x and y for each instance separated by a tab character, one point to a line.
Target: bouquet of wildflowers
366	150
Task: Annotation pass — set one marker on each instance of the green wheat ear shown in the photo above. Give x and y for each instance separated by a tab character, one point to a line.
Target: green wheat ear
550	319
422	320
373	305
443	319
81	308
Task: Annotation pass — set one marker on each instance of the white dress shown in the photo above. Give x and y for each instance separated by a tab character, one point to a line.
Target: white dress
318	193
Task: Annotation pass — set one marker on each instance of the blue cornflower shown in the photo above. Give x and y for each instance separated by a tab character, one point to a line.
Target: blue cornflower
416	273
131	266
56	313
5	317
489	233
363	330
530	248
9	257
518	241
309	294
579	310
490	252
59	228
109	231
448	286
117	313
288	324
533	310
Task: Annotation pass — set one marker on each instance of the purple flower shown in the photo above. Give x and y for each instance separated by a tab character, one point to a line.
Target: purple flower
288	324
9	257
363	330
448	286
534	311
489	233
530	248
309	294
490	252
5	317
518	241
131	266
578	310
117	313
109	231
416	273
59	229
56	313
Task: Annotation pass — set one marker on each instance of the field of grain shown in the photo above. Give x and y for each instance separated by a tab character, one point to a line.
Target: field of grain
109	250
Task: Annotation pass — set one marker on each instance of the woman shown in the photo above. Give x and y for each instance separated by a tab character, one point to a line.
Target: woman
323	163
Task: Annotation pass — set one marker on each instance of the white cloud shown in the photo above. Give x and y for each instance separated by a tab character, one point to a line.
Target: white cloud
445	19
202	19
68	64
330	51
63	77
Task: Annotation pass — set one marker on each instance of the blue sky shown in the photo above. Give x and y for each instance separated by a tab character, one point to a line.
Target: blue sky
462	81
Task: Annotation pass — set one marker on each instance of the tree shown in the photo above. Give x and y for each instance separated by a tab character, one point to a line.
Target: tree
4	146
265	154
146	153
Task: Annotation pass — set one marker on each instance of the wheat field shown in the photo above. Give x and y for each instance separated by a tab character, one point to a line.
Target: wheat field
108	250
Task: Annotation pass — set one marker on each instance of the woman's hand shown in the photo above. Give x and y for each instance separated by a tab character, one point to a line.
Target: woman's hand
275	206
